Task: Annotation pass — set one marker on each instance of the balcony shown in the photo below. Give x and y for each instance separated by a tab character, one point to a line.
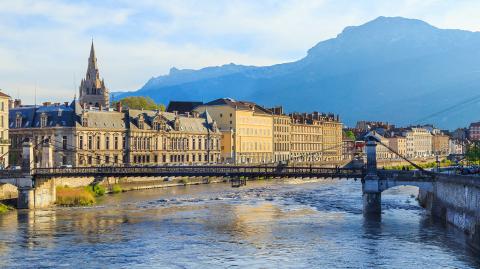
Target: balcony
4	142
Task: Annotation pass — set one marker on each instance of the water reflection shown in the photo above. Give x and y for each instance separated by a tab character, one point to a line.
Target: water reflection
319	224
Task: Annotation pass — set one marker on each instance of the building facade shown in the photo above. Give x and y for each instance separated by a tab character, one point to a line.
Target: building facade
247	130
474	131
316	137
440	144
281	134
4	134
419	142
399	144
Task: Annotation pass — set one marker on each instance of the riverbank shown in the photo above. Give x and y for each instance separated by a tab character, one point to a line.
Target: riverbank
87	195
4	208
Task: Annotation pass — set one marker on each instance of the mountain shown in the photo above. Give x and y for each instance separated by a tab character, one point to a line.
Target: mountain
392	69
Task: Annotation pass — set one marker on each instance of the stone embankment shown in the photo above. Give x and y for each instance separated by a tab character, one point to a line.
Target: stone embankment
456	200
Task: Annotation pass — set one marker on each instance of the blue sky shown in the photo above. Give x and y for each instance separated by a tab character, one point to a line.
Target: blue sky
45	44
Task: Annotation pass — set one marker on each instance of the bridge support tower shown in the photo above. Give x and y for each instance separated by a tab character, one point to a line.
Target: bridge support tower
371	189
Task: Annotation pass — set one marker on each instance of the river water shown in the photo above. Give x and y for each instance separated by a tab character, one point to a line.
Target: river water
292	224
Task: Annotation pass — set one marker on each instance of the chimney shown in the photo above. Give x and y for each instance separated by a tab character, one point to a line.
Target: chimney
119	106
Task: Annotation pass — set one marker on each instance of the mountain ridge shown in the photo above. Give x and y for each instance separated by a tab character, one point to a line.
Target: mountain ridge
391	69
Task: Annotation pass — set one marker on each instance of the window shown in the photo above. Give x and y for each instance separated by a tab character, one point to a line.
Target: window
90	142
115	158
89	159
80	142
98	142
107	142
64	142
18	121
43	120
64	159
107	159
115	142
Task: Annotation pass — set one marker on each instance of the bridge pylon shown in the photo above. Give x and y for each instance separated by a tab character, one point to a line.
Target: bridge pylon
371	184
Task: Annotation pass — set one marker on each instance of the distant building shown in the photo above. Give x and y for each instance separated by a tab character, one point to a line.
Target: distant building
247	130
399	144
419	142
348	147
282	125
474	131
4	130
460	134
364	126
316	137
93	92
440	144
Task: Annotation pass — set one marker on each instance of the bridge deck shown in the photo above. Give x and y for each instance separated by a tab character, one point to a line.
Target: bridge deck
214	171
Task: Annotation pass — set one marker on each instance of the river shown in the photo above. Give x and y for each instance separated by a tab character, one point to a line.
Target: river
292	224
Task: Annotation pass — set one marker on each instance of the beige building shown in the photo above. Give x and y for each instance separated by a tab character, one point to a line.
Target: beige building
157	137
247	130
383	153
281	134
316	137
4	135
399	144
419	142
440	144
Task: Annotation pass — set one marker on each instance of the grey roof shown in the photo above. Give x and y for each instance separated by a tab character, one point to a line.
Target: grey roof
103	119
242	105
57	115
187	124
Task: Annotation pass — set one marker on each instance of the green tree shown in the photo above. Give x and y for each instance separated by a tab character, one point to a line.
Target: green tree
350	135
140	102
473	152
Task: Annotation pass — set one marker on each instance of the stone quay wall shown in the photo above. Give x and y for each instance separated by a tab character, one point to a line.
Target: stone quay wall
456	200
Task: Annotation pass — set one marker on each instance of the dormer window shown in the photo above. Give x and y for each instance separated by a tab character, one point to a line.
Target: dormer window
43	120
18	121
141	122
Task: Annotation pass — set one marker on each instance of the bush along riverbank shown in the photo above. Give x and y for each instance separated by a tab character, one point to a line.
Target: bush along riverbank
4	208
83	196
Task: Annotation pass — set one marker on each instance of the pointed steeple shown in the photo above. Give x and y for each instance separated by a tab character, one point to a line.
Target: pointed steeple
92	89
92	60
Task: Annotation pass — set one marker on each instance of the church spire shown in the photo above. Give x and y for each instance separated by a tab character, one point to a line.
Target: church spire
92	60
92	89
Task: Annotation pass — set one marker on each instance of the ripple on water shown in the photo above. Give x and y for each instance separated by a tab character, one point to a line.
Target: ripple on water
298	224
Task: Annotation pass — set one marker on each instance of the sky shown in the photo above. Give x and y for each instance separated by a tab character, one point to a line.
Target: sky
44	45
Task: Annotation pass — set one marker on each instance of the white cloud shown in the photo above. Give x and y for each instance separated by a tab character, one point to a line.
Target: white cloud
46	43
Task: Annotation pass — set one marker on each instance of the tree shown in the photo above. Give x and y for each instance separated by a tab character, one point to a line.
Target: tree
140	102
350	135
473	152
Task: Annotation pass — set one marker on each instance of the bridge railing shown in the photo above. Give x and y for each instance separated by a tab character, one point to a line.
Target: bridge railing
202	170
